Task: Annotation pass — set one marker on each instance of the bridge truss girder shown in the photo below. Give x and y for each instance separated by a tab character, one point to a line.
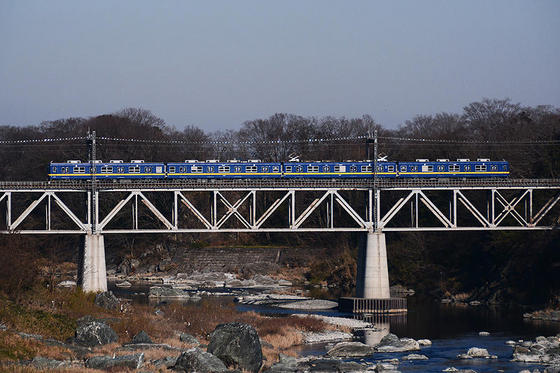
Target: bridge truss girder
253	209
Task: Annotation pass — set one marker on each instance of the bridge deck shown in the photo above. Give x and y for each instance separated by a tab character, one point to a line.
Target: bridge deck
270	184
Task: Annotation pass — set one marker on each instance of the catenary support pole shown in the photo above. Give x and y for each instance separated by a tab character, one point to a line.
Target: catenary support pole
93	276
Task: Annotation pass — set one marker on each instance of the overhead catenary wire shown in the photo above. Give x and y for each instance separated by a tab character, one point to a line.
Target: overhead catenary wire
280	141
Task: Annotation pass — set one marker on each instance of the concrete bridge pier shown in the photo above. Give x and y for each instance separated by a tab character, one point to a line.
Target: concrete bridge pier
373	276
93	273
372	280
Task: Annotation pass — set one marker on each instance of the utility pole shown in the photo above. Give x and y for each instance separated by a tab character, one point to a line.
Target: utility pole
92	157
375	191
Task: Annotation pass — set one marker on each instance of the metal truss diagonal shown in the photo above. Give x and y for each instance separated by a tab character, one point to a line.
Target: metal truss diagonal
233	210
264	217
155	211
437	212
472	209
27	211
115	210
353	214
194	210
68	212
509	208
307	212
545	209
395	209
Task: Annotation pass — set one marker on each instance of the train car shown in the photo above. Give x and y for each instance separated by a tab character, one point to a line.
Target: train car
115	169
214	169
444	168
348	169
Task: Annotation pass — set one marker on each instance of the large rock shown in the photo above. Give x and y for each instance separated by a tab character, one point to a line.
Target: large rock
543	350
187	338
94	333
237	345
109	362
351	349
164	292
392	343
141	337
107	300
196	360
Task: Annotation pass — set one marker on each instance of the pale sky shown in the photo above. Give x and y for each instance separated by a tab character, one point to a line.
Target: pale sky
215	64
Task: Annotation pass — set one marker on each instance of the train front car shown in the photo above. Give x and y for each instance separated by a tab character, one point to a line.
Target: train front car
338	170
116	169
462	168
214	169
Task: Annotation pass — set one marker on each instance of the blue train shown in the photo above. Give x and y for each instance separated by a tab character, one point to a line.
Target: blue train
251	169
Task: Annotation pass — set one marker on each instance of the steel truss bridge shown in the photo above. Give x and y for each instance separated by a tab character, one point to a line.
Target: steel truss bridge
196	206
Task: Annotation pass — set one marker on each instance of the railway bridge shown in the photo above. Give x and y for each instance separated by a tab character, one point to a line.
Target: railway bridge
94	209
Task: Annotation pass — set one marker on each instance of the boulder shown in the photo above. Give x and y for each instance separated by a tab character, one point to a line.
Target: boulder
483	334
165	362
189	339
196	360
237	345
311	304
351	349
476	353
415	357
424	342
286	364
109	362
107	300
141	337
94	333
392	343
40	362
164	292
67	284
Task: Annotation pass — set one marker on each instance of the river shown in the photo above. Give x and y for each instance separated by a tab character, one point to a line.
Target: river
452	329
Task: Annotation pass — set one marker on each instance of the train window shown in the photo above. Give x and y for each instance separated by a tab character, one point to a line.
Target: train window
182	169
440	168
414	168
288	168
480	167
494	168
366	168
403	168
353	168
120	169
237	168
196	169
148	169
299	168
62	170
77	170
222	169
211	169
251	169
467	168
326	168
171	168
107	169
379	168
264	169
134	169
390	168
427	168
275	169
454	168
313	168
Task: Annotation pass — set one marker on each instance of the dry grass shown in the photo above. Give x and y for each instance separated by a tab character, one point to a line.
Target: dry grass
14	347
